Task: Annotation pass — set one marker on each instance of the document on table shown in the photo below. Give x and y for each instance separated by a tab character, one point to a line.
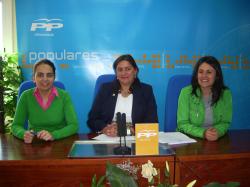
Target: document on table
172	138
104	138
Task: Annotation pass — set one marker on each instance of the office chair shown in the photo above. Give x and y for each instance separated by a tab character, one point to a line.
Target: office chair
103	79
175	84
30	84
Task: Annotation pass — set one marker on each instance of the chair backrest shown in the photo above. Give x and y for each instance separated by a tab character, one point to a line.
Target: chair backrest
175	84
103	79
30	84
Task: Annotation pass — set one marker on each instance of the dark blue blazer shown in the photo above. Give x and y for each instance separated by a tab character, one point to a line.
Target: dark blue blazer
144	109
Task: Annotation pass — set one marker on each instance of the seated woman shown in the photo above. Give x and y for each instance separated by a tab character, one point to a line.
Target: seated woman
49	110
126	94
205	107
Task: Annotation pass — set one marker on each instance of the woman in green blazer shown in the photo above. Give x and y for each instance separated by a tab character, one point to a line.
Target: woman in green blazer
205	106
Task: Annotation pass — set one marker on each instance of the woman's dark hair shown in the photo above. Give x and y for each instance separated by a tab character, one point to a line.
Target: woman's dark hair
128	58
218	86
132	62
44	61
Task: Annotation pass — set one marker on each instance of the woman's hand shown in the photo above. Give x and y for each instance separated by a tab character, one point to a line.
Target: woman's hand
132	130
28	137
211	134
110	129
44	135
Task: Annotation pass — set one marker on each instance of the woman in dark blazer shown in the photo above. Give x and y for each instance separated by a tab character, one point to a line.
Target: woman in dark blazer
126	94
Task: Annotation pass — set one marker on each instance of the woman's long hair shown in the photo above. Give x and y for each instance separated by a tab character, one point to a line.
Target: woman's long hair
218	86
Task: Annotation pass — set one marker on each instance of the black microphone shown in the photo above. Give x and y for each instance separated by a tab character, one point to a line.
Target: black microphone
119	124
124	127
122	131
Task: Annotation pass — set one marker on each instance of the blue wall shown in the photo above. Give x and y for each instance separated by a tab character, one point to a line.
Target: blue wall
166	37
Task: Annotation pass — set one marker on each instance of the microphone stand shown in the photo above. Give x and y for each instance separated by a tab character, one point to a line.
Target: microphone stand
122	150
122	131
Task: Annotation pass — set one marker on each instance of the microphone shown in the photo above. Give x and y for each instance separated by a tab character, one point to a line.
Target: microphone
119	124
121	131
123	126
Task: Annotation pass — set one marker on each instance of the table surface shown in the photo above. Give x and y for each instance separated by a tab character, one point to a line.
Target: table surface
47	163
227	159
11	148
50	161
234	142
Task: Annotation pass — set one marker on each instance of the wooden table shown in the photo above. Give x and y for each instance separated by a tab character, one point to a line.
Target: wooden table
227	159
47	164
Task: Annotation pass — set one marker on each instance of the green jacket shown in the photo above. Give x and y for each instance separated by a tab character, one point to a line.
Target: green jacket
191	113
59	119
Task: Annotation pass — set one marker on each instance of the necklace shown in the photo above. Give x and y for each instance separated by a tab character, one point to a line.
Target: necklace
125	93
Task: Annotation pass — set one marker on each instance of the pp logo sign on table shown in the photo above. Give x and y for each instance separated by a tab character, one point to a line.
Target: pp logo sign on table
147	138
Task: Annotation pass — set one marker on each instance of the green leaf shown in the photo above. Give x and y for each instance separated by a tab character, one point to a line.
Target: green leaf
232	184
118	177
213	184
101	181
160	185
228	184
9	83
116	182
167	174
93	182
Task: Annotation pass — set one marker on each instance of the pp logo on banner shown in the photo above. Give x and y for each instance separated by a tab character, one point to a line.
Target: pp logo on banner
146	139
46	25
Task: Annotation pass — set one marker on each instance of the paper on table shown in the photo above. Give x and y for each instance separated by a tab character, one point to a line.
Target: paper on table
94	142
174	138
170	138
104	138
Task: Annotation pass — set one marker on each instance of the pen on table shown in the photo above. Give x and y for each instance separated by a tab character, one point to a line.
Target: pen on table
33	132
